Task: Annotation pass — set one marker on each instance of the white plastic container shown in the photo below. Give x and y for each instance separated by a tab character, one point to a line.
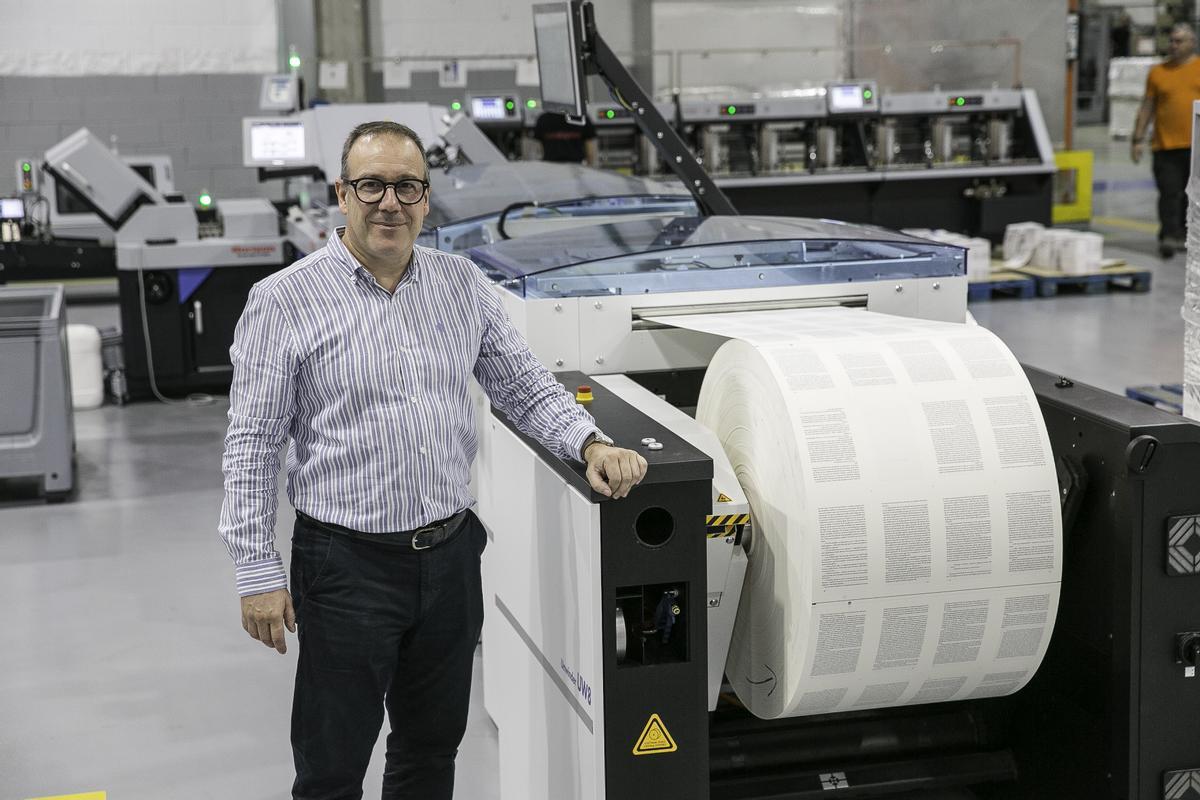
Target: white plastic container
87	368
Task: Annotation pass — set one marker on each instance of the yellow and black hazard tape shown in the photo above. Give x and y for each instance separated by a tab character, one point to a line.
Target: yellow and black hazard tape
720	525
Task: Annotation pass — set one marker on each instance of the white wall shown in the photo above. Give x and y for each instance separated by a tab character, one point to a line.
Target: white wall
762	31
466	28
137	37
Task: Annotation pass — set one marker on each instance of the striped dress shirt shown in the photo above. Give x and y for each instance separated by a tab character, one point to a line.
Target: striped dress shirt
372	388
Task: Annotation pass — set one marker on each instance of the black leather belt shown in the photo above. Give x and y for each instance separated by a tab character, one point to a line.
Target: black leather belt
426	537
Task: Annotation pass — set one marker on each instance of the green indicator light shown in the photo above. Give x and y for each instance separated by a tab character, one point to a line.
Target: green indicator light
531	103
455	106
868	94
731	110
610	113
294	62
205	200
26	166
962	101
510	105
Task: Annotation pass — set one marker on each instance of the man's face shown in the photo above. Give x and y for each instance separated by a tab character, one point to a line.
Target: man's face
1181	45
384	231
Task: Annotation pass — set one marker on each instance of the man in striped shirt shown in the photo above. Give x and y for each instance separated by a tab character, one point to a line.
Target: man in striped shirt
362	354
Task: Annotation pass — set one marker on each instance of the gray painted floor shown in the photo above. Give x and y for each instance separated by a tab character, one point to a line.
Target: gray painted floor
124	667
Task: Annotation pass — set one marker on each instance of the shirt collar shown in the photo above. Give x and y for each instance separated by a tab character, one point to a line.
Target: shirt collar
354	270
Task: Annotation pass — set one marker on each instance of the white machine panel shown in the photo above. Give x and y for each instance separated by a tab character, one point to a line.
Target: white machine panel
543	676
91	168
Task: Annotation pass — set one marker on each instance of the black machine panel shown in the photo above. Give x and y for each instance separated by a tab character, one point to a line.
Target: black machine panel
191	315
1114	711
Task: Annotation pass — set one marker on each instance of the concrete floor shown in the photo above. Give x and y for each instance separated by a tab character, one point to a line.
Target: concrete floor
124	667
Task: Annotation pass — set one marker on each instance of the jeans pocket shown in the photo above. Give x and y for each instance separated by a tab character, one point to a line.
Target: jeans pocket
479	536
311	551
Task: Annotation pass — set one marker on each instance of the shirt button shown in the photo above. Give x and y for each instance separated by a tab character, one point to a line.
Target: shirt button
424	451
413	398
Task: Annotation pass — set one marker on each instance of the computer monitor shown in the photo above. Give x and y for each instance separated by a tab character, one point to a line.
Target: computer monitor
556	30
278	93
274	142
12	208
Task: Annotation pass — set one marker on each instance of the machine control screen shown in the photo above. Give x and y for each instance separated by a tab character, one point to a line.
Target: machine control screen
277	142
485	108
563	85
846	98
12	208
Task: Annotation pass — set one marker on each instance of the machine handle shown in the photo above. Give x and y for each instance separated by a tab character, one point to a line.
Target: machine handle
198	317
78	178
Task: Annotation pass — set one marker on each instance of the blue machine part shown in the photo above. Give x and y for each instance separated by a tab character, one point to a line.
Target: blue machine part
190	279
685	254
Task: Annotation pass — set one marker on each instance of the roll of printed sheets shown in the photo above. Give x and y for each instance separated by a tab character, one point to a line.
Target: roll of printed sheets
906	541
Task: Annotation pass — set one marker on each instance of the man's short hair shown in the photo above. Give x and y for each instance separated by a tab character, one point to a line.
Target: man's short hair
380	128
1184	28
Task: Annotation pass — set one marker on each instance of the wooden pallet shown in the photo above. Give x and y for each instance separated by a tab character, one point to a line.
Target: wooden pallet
1116	275
1002	283
1167	396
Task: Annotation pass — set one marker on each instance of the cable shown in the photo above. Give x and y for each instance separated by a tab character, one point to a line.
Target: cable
194	399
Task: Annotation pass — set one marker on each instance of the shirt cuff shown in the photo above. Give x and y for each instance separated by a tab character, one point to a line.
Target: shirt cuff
258	577
576	435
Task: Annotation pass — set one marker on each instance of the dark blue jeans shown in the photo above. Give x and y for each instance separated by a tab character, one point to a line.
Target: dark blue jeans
382	626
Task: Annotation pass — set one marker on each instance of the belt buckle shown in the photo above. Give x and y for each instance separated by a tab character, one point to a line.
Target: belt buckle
418	532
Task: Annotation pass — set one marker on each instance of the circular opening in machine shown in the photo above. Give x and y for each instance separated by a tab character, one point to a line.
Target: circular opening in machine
654	526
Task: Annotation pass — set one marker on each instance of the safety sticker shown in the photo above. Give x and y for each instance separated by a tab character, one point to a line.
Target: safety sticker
654	738
88	796
724	524
724	498
716	520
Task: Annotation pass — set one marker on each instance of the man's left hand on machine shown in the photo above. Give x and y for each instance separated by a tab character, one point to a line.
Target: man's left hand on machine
613	471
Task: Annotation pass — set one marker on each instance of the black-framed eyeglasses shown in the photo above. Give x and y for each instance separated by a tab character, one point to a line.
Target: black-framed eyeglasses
371	190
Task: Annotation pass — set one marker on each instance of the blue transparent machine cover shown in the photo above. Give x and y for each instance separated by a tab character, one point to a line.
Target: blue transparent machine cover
465	201
684	254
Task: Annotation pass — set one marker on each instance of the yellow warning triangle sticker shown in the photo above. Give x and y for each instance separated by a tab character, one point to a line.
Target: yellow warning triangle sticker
654	738
724	498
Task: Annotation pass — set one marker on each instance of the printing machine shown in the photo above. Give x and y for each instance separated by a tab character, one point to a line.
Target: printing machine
575	584
182	282
967	160
607	623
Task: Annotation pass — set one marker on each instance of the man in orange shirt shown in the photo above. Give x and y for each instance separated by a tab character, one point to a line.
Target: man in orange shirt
1170	89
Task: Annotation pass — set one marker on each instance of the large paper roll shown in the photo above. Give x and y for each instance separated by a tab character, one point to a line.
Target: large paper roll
907	543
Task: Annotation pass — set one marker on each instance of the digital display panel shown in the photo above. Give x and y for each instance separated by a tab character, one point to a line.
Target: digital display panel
558	64
487	107
277	142
846	97
12	208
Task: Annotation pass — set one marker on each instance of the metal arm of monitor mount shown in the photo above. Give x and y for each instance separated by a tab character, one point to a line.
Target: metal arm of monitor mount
670	145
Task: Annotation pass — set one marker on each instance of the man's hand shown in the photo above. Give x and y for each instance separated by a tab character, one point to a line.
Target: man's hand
264	616
1135	150
613	471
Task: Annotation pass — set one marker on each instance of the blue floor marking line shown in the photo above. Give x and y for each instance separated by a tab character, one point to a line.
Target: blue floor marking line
1122	186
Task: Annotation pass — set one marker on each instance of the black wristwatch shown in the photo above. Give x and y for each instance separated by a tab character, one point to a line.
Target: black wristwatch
595	436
